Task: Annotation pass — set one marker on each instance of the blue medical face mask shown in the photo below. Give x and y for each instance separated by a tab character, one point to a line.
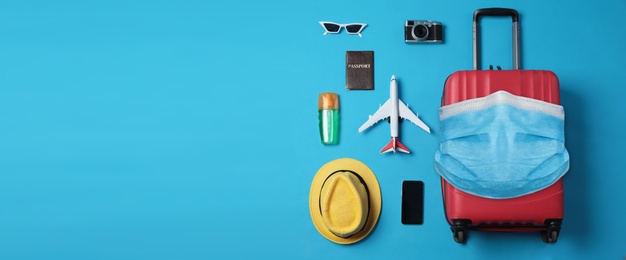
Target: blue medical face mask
501	146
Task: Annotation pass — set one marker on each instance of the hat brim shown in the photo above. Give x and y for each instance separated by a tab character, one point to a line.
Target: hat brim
375	201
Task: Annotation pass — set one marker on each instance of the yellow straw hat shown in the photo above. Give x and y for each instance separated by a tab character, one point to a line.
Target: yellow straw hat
345	201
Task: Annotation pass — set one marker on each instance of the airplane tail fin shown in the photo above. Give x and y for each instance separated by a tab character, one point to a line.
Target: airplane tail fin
394	145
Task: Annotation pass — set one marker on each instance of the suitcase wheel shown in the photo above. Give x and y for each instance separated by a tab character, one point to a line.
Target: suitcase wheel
549	237
551	234
459	236
459	230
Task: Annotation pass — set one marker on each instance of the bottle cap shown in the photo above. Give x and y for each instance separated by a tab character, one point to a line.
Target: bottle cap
328	100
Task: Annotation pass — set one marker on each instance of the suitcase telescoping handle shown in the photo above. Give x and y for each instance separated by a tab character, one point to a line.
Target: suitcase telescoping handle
476	33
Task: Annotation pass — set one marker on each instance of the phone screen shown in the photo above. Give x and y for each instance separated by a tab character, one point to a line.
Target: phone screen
412	202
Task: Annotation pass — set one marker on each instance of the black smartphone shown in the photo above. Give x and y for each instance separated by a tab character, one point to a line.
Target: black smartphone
412	202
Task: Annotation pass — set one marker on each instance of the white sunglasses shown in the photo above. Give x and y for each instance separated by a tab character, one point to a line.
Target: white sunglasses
351	28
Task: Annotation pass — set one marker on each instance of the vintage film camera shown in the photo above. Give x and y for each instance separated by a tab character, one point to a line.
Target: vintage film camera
423	31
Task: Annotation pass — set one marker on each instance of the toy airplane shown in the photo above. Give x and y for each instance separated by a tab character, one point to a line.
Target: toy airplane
393	109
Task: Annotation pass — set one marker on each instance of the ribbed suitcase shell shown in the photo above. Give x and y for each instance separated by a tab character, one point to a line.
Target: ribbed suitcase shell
525	213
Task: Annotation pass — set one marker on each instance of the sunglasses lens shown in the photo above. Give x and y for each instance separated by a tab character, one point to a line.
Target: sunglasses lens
354	28
331	27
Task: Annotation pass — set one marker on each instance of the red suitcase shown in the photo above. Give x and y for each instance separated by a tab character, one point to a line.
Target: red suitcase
540	211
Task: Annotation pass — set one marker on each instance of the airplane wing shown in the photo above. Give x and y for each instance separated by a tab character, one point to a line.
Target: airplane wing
406	113
383	112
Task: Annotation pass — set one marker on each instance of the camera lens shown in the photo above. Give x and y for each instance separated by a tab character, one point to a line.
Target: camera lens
420	32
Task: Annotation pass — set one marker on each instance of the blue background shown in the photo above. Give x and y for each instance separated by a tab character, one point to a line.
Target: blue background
188	129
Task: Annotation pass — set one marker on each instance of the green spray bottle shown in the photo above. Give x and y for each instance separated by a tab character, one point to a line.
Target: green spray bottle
328	114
